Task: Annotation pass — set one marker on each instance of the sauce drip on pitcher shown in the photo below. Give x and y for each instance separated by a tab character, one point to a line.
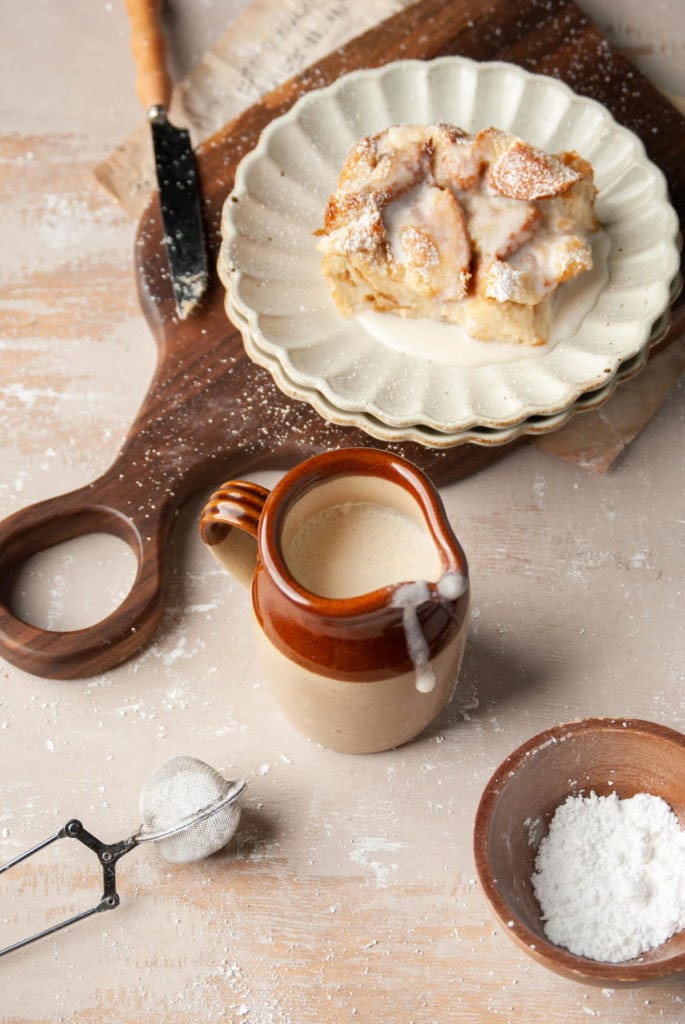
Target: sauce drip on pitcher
409	597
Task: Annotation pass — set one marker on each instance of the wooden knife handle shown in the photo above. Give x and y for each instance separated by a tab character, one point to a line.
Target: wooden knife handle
153	84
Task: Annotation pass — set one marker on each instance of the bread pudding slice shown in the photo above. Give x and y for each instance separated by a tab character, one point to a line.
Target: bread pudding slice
429	221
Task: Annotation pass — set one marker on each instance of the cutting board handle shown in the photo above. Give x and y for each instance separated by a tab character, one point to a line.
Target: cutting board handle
87	651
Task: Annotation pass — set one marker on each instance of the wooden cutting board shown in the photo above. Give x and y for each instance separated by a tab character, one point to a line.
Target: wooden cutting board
210	414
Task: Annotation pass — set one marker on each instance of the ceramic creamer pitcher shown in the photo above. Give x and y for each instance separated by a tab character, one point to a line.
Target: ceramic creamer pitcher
359	590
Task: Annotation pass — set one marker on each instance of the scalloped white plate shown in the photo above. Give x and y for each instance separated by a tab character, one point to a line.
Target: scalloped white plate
484	436
271	267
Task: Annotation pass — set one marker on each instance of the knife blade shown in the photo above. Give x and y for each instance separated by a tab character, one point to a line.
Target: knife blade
177	178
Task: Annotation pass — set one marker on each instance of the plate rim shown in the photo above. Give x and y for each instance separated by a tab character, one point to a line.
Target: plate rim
439	440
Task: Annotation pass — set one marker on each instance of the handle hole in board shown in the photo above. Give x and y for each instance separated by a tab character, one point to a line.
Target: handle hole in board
73	584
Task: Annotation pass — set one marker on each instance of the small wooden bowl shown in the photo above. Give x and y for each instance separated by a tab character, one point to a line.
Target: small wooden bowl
607	755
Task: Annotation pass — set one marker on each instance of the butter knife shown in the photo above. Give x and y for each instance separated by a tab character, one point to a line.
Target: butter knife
177	180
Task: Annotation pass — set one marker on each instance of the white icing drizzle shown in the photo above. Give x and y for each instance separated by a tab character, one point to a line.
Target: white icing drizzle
409	597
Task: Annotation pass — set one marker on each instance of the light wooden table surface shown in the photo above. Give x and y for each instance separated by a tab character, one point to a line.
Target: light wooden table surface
350	892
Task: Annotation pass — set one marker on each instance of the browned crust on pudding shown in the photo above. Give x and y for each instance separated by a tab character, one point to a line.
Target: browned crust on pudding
429	221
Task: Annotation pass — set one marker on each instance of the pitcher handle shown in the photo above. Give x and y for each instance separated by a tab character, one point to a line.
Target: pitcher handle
236	503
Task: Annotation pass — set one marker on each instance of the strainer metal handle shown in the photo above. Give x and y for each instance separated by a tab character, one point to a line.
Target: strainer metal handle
107	853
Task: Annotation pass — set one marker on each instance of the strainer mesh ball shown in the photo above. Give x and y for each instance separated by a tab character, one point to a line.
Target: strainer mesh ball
190	798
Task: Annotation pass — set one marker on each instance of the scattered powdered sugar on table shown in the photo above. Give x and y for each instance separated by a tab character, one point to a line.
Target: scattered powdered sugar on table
610	876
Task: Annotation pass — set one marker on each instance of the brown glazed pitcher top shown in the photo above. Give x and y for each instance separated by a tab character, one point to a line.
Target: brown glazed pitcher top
359	638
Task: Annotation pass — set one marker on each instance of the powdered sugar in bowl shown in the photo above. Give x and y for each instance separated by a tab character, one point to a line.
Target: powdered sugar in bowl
624	780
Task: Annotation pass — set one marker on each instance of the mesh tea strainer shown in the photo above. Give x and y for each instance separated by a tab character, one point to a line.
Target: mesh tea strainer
186	806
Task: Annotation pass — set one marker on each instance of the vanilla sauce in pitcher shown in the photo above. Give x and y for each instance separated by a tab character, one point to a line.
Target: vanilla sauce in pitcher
355	577
355	547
